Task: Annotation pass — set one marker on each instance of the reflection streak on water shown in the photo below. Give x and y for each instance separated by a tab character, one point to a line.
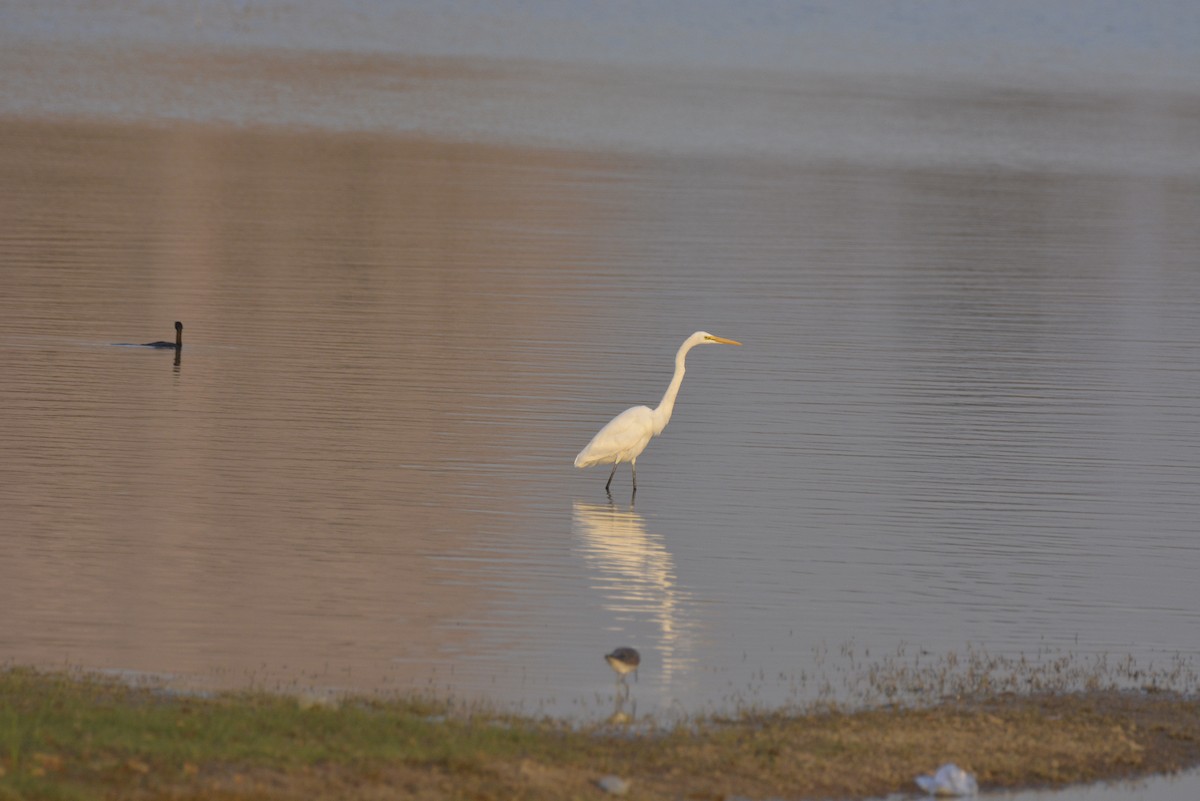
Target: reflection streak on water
635	572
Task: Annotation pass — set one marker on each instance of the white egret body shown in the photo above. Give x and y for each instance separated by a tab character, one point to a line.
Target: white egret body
628	434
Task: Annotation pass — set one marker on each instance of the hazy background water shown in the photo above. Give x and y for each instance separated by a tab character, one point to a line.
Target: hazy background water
965	412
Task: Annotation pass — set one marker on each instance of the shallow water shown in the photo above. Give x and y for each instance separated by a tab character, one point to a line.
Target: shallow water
965	414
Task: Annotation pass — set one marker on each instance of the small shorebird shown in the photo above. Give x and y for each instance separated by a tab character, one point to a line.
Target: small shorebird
624	661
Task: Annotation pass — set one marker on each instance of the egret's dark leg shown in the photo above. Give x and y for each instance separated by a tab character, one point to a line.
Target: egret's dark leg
610	477
633	464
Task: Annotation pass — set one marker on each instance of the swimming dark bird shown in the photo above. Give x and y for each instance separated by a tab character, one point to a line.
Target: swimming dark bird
624	661
176	345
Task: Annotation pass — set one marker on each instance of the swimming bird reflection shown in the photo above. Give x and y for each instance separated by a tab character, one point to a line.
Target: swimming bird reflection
636	574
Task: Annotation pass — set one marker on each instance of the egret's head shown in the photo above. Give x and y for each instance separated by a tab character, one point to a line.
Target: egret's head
713	339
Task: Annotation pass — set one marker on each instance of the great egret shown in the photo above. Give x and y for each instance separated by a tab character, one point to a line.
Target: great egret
177	344
628	434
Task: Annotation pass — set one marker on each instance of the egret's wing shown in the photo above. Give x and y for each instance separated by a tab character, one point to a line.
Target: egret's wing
624	437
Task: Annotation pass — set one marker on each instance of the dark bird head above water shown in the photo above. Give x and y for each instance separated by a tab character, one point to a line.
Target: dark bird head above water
177	344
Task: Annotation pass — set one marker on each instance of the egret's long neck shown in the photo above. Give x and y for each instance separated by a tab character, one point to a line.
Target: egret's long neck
662	414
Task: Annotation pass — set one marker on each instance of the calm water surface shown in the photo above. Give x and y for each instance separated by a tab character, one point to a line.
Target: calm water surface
966	414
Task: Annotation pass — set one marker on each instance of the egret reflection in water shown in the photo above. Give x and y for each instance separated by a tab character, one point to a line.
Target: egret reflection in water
635	572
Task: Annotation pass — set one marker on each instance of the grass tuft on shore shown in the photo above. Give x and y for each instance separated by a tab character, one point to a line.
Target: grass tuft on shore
68	736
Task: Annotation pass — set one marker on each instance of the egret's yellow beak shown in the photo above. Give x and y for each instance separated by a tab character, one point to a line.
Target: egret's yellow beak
722	340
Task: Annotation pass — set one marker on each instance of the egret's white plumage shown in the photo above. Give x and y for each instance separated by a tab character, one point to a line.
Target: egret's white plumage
628	434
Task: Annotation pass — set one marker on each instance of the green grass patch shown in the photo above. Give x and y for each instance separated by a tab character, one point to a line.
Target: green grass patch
65	736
